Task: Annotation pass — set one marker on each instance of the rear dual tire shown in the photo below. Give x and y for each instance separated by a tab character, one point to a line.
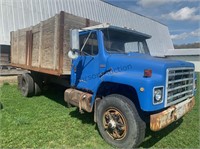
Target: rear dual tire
37	84
29	85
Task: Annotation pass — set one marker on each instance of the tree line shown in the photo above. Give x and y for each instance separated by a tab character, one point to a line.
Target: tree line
187	46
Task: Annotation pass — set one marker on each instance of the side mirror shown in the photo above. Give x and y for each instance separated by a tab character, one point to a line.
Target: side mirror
74	39
74	44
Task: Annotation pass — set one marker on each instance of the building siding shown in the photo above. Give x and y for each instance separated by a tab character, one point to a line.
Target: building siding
17	14
195	59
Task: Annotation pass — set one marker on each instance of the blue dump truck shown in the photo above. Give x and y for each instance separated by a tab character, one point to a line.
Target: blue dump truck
114	76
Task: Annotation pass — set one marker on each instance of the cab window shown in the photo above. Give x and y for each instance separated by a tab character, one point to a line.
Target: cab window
89	44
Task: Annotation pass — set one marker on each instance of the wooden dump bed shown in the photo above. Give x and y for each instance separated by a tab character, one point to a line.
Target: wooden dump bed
44	47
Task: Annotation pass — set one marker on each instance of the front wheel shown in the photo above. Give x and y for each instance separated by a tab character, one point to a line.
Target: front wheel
119	122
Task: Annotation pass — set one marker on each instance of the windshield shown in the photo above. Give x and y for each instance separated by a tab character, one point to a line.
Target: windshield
124	42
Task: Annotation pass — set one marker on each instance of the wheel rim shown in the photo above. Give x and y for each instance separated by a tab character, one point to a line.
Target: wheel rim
115	124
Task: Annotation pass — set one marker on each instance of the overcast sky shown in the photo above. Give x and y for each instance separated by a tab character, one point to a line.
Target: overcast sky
181	16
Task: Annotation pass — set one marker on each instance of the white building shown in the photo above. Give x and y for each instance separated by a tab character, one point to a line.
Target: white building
190	55
17	14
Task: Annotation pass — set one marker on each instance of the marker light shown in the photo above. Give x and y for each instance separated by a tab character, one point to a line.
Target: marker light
147	73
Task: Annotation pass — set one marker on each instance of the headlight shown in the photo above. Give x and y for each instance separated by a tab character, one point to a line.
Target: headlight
158	95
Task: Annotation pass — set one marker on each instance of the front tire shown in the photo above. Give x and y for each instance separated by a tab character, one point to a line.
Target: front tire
119	122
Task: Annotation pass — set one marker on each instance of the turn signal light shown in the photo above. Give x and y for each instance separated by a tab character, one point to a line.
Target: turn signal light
147	73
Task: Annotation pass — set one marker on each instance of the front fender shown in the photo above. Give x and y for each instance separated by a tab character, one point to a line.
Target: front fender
137	81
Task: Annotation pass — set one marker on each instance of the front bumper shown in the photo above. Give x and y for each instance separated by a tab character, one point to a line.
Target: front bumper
160	120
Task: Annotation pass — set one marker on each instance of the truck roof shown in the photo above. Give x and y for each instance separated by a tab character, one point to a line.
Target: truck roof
116	28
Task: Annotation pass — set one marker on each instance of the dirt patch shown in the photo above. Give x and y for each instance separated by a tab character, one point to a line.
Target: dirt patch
8	79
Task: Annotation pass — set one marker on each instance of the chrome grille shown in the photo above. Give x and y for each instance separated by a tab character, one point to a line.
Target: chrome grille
179	85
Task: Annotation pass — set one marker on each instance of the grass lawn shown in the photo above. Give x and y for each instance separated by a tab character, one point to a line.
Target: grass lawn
46	122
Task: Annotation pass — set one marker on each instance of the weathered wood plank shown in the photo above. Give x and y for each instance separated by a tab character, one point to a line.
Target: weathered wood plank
40	44
21	49
56	48
47	49
35	50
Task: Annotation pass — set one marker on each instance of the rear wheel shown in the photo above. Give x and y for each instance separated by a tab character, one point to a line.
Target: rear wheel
119	122
38	89
27	85
37	83
19	80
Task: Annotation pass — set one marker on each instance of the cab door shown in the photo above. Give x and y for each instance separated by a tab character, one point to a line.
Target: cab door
85	69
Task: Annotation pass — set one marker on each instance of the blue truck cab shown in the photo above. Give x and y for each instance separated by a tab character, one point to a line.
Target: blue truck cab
113	74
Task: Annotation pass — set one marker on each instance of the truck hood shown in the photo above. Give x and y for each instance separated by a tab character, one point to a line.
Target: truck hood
139	62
